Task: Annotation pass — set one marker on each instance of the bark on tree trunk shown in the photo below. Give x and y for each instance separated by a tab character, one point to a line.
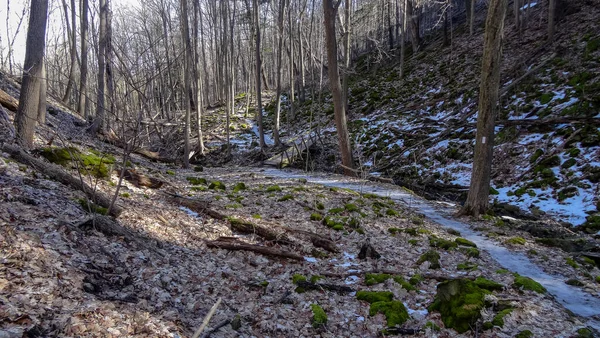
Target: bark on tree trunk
187	81
551	18
73	36
261	132
29	98
478	197
279	64
42	103
336	88
83	72
98	123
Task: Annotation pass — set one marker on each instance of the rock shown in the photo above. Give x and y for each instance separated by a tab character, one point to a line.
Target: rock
459	302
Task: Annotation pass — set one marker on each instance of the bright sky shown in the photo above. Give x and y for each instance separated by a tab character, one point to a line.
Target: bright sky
9	22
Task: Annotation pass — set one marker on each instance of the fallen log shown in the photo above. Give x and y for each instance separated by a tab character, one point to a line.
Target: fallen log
271	231
141	180
57	173
8	101
230	245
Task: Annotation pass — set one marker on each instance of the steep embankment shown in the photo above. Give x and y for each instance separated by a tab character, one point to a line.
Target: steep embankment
420	130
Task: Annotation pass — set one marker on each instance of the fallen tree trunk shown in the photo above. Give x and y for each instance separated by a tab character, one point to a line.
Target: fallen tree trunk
57	173
274	232
8	101
235	245
341	289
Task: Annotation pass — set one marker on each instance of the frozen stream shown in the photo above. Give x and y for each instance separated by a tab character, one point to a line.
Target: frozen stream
570	297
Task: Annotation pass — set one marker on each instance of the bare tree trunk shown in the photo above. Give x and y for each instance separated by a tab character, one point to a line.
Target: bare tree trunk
291	113
329	11
347	59
478	197
261	132
73	37
280	17
199	84
42	103
403	38
185	34
414	26
29	99
98	124
551	18
83	72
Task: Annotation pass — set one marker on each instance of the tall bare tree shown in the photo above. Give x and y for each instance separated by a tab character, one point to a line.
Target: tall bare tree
261	132
98	123
339	108
83	72
72	31
280	18
29	98
478	197
185	34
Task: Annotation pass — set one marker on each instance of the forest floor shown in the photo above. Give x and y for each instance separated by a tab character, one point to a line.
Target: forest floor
58	279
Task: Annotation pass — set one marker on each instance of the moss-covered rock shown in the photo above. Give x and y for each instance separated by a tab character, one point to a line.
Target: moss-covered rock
374	296
465	242
273	188
315	216
499	317
319	318
239	187
487	284
441	243
394	311
526	283
466	266
516	241
584	332
591	225
574	282
431	256
459	302
286	197
376	278
217	185
405	285
471	252
524	334
94	163
196	180
350	207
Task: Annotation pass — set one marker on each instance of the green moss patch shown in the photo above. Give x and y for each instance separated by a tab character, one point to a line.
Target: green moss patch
350	207
487	284
465	242
467	266
459	302
516	241
319	316
527	283
239	187
499	317
470	252
441	243
273	188
524	334
376	278
394	311
286	198
374	296
196	180
94	163
432	257
315	216
217	185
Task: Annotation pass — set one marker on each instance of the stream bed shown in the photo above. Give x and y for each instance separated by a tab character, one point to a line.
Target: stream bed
572	298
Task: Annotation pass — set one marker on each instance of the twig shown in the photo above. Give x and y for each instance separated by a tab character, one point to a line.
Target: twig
207	319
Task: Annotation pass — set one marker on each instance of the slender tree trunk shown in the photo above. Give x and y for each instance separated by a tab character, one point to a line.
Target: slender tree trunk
280	17
347	50
98	124
551	18
291	113
42	103
73	37
414	26
517	13
83	72
185	34
403	38
478	197
29	98
329	11
198	77
261	132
